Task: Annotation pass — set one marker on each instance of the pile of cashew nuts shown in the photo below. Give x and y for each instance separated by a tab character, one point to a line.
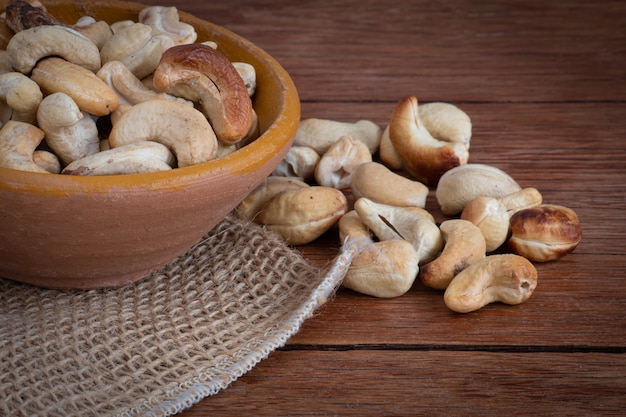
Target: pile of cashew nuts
93	98
373	184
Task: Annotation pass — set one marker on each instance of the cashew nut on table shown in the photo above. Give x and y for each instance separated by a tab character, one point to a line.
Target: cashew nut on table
91	86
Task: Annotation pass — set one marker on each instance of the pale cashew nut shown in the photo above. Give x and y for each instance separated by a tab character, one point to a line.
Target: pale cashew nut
5	65
299	162
387	153
300	216
506	278
462	184
70	133
98	31
181	128
446	122
412	224
338	163
271	186
29	46
134	158
424	157
248	75
320	134
351	226
464	245
18	141
91	94
47	160
22	96
165	20
492	215
378	183
545	233
201	74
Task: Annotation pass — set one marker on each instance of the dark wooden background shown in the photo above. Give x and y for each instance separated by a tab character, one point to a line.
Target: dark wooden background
545	85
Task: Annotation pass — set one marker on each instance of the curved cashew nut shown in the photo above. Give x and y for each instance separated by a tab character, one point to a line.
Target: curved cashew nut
507	278
181	128
464	183
20	15
70	133
412	224
545	233
446	122
464	245
424	157
21	94
492	215
302	215
29	46
201	74
319	134
47	160
271	186
248	75
134	158
98	31
336	166
378	183
299	162
351	226
18	141
165	20
388	154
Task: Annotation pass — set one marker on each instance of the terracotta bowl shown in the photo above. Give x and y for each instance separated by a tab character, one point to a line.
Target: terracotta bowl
72	232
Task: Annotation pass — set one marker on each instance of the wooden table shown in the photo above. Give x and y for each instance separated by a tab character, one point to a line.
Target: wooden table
545	86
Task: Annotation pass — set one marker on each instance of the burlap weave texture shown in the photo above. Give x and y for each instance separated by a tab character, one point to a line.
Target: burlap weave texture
156	347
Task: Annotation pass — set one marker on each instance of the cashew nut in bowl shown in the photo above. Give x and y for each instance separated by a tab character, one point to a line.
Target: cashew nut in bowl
180	127
165	20
375	181
319	134
462	184
506	278
98	31
492	215
21	14
90	93
199	73
134	158
47	160
299	162
423	156
18	141
463	245
338	163
248	75
271	186
29	46
545	233
300	216
21	95
70	133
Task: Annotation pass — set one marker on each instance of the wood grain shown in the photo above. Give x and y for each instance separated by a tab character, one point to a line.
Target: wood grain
545	86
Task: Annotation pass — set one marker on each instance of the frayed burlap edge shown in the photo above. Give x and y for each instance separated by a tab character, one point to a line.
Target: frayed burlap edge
158	346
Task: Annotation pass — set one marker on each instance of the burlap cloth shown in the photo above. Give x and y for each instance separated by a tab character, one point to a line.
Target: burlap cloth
158	346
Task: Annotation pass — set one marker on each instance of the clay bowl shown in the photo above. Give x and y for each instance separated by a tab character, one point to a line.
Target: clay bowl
70	232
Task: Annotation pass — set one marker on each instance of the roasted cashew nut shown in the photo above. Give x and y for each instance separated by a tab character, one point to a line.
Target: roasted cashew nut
424	157
21	95
464	245
20	15
180	127
18	141
199	73
507	278
492	215
320	134
375	181
337	164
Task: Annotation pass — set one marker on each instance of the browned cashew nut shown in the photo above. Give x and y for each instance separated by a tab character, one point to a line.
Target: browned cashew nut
20	15
199	73
424	157
18	141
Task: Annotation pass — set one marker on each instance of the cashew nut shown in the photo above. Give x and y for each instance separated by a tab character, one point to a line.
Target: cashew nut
248	75
47	160
423	156
70	133
21	14
181	128
351	226
299	162
412	224
464	245
302	215
506	278
18	141
29	46
271	186
446	122
134	158
201	74
165	20
492	215
545	233
387	152
337	164
378	183
90	93
21	95
319	134
462	184
98	31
